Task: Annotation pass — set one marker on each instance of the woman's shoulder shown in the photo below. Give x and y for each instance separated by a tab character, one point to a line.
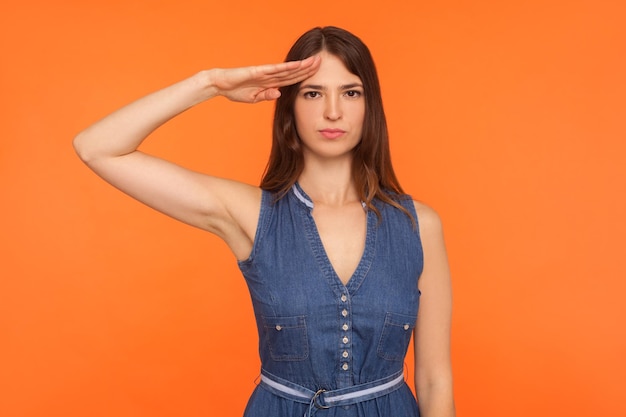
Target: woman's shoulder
428	218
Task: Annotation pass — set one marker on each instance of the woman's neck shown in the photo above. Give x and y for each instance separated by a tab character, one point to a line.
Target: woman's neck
329	183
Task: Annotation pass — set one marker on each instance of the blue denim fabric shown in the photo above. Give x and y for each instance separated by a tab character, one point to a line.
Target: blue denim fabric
318	333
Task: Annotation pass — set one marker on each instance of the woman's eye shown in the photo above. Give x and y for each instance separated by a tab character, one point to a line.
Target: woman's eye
353	93
311	94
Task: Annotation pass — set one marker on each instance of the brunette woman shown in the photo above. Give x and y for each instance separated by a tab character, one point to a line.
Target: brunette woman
337	258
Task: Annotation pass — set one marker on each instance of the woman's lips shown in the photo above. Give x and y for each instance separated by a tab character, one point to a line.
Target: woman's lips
332	133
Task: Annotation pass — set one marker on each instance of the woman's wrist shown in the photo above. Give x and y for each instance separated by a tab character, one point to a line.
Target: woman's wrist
204	82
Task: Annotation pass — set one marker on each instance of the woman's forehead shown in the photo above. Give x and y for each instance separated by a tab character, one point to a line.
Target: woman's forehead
332	72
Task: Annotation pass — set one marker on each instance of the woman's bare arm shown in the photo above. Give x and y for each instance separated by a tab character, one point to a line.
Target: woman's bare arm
433	370
224	207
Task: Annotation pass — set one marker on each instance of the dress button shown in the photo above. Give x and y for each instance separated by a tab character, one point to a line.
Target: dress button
343	298
278	327
344	366
344	312
345	354
345	339
406	327
344	327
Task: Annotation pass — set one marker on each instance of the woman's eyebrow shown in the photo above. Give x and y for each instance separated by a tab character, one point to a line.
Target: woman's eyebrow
321	87
312	87
349	86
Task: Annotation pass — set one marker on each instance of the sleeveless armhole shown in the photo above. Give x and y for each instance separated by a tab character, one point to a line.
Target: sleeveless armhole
410	206
262	225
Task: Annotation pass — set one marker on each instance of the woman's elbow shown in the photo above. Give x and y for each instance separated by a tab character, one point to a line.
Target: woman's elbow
85	147
79	144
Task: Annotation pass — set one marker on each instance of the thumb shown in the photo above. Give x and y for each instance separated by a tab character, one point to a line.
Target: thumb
269	94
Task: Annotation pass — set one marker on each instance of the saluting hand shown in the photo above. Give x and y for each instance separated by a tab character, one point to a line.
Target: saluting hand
260	83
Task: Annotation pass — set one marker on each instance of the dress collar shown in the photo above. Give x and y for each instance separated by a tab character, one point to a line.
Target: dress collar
299	193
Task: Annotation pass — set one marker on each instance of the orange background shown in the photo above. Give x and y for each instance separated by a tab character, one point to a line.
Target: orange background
507	117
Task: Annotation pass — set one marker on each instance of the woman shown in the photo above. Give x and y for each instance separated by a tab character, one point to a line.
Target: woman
330	246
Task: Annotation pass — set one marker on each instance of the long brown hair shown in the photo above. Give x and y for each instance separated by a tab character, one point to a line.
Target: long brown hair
371	170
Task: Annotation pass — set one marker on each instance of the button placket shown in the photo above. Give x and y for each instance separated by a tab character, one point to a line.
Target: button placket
345	337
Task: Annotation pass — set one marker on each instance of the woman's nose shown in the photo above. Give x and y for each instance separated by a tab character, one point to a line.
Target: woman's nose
332	110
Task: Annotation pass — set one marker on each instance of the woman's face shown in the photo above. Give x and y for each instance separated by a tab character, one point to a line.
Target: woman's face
329	110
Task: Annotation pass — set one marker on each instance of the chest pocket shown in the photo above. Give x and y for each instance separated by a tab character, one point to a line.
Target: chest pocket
394	340
287	338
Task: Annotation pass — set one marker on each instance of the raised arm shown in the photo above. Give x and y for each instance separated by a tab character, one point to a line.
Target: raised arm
109	147
433	370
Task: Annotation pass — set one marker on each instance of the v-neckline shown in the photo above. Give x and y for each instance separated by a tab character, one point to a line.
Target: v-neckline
319	251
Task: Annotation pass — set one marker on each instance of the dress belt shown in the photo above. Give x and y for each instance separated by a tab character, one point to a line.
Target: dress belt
322	398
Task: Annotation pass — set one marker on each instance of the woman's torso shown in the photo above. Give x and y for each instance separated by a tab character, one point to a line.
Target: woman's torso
315	331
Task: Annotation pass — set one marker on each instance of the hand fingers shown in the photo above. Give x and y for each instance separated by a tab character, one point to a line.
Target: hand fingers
267	78
287	78
290	66
288	72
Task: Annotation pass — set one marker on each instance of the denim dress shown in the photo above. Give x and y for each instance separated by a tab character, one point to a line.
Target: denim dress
316	333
